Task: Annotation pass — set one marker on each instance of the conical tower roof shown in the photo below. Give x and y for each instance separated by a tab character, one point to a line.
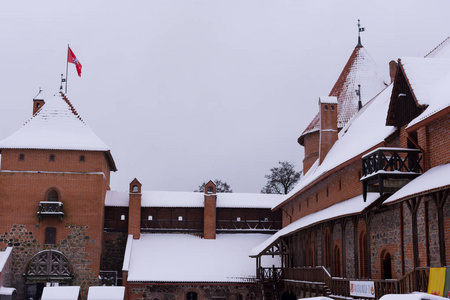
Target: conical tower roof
56	126
360	69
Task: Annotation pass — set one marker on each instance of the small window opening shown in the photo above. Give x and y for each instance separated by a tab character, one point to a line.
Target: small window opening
340	184
317	197
191	296
21	156
180	218
326	107
135	189
266	219
238	219
150	218
122	217
327	191
50	235
210	190
52	157
52	196
82	158
332	107
38	104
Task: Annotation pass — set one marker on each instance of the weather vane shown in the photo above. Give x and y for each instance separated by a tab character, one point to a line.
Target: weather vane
360	29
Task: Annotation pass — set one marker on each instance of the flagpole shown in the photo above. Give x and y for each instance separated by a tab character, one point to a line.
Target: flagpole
67	66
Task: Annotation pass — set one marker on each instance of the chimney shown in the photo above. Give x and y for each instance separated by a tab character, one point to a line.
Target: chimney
209	217
134	209
392	70
38	102
328	125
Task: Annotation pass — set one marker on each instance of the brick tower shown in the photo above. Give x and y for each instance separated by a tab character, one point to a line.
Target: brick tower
53	179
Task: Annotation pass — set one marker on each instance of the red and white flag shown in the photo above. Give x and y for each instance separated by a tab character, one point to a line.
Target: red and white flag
73	59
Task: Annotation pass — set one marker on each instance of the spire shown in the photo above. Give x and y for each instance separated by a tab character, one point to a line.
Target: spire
360	29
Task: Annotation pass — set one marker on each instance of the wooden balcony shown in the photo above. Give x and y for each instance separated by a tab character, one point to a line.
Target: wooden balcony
386	170
50	209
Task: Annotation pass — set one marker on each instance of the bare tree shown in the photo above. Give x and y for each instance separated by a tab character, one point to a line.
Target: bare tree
282	179
221	187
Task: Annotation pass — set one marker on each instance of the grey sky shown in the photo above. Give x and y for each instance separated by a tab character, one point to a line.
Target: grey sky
186	91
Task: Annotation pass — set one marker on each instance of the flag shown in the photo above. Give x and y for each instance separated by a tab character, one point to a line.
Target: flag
436	281
73	59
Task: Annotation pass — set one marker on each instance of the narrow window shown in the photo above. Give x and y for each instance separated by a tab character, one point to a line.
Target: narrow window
238	219
180	218
191	296
135	189
266	219
50	235
326	107
52	196
122	217
150	218
21	157
38	105
82	158
387	266
210	190
52	157
332	107
317	197
327	192
340	184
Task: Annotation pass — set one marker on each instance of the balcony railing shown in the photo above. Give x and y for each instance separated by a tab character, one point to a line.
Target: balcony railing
248	225
50	209
415	280
386	170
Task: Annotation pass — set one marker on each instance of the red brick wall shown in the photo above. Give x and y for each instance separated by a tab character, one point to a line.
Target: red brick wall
311	150
438	141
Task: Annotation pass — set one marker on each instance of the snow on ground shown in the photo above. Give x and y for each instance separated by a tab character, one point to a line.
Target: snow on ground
413	296
437	177
194	199
188	258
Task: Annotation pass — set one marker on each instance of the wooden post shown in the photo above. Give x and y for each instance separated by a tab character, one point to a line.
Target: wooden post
439	200
355	245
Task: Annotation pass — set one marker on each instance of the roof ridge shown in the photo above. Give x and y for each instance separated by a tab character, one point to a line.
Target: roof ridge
435	48
72	108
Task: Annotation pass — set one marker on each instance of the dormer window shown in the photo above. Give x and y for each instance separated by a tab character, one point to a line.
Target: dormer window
52	157
21	157
135	189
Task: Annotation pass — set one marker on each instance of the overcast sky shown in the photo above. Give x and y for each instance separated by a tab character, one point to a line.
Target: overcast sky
186	91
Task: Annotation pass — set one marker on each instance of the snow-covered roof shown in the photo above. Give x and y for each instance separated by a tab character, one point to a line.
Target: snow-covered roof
362	133
434	179
60	293
360	69
4	255
327	99
55	126
189	258
429	79
345	208
106	293
194	199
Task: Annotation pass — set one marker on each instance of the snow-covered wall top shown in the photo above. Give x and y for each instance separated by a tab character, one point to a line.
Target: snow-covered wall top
193	259
194	199
55	126
4	255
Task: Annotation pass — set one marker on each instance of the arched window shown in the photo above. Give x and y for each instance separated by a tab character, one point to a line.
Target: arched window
50	235
327	259
135	189
337	261
191	296
386	265
363	255
52	196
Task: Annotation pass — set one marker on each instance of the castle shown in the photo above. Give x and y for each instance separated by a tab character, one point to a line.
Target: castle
371	206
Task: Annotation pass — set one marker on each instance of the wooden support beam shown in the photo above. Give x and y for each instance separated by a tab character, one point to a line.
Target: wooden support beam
439	200
355	244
